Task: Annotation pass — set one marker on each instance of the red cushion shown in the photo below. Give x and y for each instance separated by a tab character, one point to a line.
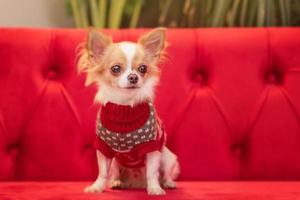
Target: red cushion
186	190
229	98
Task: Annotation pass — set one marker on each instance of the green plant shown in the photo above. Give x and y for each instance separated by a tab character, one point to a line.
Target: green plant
183	13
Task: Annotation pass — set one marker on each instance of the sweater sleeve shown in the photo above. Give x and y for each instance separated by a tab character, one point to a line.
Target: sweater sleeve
103	148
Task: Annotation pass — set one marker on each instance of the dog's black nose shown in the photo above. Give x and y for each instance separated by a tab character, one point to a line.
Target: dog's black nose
133	78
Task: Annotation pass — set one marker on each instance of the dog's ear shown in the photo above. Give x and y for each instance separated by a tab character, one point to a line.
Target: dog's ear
96	44
154	42
91	54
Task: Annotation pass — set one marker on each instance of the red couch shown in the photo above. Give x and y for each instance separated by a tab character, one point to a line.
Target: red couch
230	100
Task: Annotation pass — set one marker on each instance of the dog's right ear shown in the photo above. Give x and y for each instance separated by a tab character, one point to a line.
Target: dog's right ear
93	50
96	44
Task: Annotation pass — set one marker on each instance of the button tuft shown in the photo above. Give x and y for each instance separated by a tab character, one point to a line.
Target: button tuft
274	76
200	77
13	149
52	74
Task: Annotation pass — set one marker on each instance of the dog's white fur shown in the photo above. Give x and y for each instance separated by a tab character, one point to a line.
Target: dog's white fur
159	165
129	49
107	93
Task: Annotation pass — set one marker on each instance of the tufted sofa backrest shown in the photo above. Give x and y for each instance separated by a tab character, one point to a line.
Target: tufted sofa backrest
230	100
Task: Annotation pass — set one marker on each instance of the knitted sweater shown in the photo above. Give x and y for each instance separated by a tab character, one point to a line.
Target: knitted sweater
128	133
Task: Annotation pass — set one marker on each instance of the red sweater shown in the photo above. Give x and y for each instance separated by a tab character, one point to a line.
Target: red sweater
128	133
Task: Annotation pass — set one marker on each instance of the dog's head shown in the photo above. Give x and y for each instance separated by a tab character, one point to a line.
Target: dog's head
126	72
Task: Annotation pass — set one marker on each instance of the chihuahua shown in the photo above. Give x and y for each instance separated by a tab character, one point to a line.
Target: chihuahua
130	138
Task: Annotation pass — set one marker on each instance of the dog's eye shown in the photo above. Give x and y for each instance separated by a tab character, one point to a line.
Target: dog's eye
115	69
142	69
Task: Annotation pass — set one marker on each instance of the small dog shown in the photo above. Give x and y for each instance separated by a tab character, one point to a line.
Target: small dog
130	140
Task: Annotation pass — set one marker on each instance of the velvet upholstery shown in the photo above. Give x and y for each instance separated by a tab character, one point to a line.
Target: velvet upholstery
186	191
229	98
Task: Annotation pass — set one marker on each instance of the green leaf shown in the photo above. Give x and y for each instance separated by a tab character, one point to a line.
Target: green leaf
94	13
136	13
288	12
220	9
83	14
68	7
233	13
269	12
252	12
261	13
76	13
164	11
243	13
102	13
115	13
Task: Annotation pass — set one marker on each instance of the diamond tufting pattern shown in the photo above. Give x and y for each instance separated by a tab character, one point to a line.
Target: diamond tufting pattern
229	98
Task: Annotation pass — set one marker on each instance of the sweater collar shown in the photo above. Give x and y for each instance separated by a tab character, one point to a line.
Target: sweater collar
124	113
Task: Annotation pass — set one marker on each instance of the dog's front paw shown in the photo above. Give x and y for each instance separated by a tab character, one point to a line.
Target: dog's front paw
157	190
116	184
169	184
94	188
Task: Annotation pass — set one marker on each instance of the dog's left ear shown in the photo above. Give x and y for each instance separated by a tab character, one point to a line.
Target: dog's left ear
154	42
